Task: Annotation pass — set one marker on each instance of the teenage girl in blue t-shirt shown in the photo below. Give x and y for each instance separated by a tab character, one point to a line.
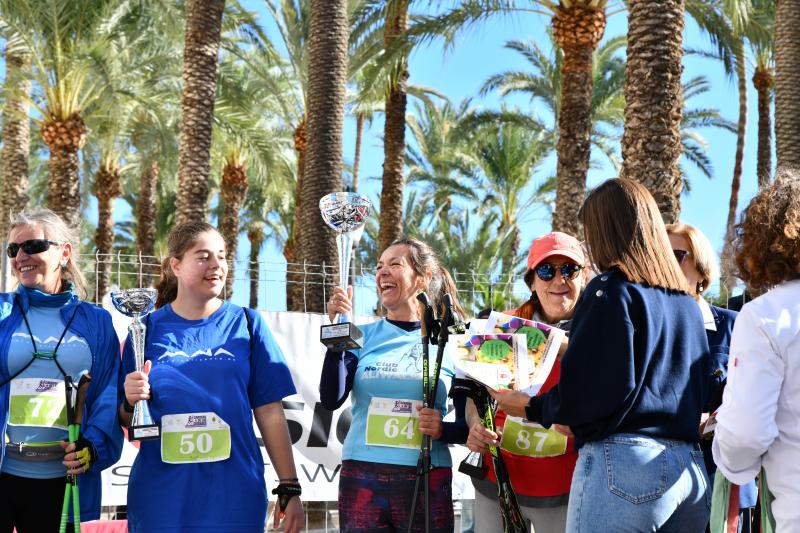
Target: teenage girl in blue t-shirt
207	363
379	458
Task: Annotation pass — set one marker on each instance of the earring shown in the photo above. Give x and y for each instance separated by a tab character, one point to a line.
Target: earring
63	263
700	288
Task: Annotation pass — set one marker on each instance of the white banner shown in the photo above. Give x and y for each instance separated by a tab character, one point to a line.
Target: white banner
317	434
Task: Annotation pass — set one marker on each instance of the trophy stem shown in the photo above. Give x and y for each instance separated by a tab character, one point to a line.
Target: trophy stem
344	244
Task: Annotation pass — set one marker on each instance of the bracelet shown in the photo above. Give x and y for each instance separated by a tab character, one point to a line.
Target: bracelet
126	406
288	479
285	492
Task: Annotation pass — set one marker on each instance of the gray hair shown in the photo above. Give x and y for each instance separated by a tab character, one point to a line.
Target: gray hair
55	229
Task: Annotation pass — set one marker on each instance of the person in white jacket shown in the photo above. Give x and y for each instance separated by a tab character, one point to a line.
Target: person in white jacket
758	424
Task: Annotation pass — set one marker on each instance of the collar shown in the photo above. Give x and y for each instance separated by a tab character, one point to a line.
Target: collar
37	298
709	320
560	324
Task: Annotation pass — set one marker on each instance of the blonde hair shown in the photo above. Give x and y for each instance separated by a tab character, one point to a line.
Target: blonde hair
55	229
624	229
701	252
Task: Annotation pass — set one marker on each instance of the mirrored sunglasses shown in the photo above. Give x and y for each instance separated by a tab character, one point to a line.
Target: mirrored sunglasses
30	247
547	271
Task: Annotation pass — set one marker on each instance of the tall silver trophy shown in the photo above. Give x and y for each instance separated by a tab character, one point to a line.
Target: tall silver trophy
346	213
135	303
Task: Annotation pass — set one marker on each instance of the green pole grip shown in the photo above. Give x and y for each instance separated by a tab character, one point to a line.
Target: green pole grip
65	509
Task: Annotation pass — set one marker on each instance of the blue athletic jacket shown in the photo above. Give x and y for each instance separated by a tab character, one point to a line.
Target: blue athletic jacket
100	423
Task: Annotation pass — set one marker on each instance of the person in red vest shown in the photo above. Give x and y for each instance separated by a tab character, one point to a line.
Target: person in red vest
541	480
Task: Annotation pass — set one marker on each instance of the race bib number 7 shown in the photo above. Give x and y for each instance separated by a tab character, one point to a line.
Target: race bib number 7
194	438
38	403
521	437
393	423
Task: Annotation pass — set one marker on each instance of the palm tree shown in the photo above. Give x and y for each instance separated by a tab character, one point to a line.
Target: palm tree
16	136
327	79
651	142
107	187
391	227
146	217
787	80
763	81
66	40
232	192
203	28
255	234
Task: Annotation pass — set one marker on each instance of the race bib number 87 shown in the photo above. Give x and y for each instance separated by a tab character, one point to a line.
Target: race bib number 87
393	423
526	438
38	403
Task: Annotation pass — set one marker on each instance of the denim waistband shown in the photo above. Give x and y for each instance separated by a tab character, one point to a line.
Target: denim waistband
639	438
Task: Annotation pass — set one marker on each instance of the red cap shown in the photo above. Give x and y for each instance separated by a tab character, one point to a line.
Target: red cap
555	243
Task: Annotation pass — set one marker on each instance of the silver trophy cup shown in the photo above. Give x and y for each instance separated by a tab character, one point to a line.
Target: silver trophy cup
346	213
135	303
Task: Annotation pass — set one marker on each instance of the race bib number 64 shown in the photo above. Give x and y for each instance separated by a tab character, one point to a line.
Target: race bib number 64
393	423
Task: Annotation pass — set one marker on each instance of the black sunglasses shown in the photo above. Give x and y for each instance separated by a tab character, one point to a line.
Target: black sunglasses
30	247
547	271
680	255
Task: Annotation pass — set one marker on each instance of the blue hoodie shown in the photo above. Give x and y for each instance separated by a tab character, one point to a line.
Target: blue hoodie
100	423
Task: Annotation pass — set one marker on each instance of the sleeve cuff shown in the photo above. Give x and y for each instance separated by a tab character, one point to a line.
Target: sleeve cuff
533	411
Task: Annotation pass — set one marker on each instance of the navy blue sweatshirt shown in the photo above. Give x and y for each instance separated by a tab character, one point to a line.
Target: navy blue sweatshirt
452	432
636	363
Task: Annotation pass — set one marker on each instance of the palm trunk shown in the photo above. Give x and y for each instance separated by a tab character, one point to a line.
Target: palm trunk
577	31
16	140
295	288
107	188
203	25
787	80
728	266
232	191
256	237
357	156
651	143
763	81
327	78
65	138
394	145
146	224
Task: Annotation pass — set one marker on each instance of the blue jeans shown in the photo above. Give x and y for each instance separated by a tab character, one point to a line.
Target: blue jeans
634	483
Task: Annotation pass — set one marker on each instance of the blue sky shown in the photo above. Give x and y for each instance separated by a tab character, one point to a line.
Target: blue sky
459	72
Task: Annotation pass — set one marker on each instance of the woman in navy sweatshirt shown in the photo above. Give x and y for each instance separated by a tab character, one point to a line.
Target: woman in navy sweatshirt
634	378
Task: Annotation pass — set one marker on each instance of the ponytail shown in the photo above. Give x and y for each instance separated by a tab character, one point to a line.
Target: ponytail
441	284
167	285
529	308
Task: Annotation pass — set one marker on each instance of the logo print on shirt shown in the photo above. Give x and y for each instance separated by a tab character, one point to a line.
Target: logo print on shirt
50	340
408	366
208	353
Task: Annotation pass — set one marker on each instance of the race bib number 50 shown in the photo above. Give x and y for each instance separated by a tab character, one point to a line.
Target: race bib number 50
38	403
521	437
393	423
194	438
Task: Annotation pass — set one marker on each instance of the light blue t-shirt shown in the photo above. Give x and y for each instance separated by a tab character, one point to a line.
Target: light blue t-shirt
199	366
74	357
390	366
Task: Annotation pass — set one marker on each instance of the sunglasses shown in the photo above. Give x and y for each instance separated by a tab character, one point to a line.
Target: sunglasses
680	255
30	247
547	271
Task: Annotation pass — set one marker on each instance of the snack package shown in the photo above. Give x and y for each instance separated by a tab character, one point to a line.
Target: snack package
542	343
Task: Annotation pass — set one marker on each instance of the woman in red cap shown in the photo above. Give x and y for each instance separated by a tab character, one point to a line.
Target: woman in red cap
541	480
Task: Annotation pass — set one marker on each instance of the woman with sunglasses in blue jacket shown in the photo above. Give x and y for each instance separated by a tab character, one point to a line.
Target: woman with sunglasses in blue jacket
47	333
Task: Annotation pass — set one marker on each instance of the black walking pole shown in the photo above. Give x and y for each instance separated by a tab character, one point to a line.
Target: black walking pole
509	508
429	332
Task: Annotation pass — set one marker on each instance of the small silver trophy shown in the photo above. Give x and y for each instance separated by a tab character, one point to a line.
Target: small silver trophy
135	303
346	213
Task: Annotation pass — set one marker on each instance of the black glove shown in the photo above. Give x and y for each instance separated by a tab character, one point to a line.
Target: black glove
285	491
85	452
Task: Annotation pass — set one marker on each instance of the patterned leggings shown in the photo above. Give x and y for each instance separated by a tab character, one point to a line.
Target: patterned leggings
377	497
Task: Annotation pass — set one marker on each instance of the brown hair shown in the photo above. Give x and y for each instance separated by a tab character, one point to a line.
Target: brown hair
700	252
425	260
624	229
56	229
767	242
533	305
181	238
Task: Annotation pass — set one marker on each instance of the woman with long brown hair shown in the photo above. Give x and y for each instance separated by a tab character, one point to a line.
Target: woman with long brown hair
633	379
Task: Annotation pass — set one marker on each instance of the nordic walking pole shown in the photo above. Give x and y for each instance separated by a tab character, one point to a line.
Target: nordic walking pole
76	396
